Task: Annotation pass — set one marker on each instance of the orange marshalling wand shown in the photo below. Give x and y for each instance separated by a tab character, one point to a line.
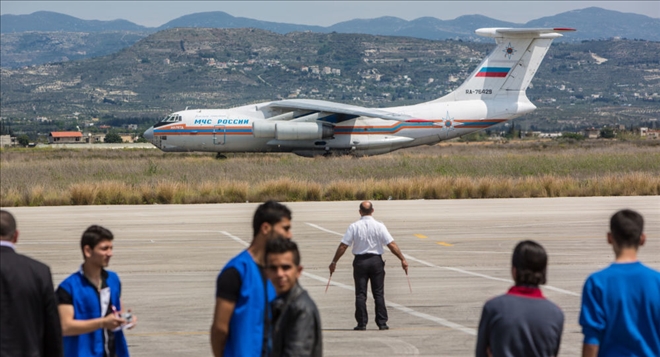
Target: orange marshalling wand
326	287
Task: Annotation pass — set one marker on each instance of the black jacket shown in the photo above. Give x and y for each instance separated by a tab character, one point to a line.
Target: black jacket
29	321
297	327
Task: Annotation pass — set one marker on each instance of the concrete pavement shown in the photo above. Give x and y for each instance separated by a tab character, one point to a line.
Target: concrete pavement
459	252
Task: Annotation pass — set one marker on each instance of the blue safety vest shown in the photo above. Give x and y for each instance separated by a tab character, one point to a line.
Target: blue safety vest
246	327
87	305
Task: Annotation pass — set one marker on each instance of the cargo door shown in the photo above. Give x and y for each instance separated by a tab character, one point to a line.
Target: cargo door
219	134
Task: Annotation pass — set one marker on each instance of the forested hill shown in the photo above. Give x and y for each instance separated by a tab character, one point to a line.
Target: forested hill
206	68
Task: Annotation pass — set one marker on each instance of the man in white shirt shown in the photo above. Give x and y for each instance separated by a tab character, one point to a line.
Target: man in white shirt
368	237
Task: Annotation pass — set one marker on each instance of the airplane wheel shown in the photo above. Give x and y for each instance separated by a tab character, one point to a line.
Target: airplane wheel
220	156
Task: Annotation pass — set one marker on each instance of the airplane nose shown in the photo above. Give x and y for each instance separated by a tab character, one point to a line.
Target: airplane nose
149	134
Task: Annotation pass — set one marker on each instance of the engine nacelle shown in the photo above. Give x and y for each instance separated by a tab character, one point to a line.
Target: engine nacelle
303	131
291	131
263	129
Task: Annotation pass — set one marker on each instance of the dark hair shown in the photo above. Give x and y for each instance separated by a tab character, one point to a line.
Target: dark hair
626	227
93	235
367	208
530	260
7	225
270	212
281	245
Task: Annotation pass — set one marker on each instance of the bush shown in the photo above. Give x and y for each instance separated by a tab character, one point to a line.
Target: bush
113	138
574	136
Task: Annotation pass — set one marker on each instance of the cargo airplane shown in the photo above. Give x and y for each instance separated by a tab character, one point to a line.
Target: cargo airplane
492	94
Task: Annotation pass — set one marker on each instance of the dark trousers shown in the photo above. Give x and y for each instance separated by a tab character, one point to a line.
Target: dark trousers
369	267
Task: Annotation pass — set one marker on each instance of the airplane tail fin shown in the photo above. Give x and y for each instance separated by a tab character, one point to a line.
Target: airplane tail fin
509	69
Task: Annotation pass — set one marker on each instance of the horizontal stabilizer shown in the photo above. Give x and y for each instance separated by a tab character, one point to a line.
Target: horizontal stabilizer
522	32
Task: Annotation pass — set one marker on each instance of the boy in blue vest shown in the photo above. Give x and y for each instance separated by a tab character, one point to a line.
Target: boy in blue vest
620	313
241	322
90	302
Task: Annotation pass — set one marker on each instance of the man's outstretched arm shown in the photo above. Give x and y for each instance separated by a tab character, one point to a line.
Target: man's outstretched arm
396	251
340	251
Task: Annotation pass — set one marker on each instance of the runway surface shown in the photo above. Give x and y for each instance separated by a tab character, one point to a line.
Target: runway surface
459	251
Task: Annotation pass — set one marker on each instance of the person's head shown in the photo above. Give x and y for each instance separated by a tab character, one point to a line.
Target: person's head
626	230
529	263
366	208
283	264
8	231
272	219
96	246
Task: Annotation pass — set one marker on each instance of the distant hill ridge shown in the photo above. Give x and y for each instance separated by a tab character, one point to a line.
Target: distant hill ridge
49	37
589	21
47	21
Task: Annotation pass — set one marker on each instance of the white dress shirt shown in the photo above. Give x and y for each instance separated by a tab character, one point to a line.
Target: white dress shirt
6	243
368	236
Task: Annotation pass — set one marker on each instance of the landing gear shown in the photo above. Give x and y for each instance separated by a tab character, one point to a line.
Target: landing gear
220	156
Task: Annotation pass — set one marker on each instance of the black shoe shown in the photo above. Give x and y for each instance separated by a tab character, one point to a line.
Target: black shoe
359	328
383	327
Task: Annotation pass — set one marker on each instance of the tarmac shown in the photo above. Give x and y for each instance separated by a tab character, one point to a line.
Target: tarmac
459	251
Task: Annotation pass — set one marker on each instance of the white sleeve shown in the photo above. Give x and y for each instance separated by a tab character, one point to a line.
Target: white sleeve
385	235
348	236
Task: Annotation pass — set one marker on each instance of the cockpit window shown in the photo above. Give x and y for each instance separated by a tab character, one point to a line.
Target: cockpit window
171	118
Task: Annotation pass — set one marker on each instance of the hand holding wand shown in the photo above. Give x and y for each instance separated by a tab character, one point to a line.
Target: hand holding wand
326	287
332	267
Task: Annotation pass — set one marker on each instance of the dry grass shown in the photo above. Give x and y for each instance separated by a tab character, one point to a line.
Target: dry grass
85	177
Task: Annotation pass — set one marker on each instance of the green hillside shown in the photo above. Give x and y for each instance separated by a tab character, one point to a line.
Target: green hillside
577	85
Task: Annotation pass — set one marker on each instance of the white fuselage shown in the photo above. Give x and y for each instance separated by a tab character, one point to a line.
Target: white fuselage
231	130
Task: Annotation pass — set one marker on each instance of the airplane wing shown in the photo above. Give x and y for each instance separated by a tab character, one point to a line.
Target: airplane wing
337	108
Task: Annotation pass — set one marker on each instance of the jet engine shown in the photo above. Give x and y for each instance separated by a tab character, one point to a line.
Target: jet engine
292	131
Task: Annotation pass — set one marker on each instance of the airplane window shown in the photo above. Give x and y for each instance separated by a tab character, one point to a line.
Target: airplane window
171	119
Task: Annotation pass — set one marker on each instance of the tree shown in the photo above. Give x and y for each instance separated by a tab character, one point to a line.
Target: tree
512	133
112	138
23	140
607	133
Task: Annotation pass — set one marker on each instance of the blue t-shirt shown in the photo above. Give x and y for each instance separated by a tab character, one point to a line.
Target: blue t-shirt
621	310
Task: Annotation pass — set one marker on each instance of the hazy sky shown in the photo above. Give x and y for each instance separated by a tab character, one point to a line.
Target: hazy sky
324	13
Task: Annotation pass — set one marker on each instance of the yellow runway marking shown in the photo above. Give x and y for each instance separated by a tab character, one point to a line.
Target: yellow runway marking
420	236
445	244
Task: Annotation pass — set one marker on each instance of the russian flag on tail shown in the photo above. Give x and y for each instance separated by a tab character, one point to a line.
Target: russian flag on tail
493	72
